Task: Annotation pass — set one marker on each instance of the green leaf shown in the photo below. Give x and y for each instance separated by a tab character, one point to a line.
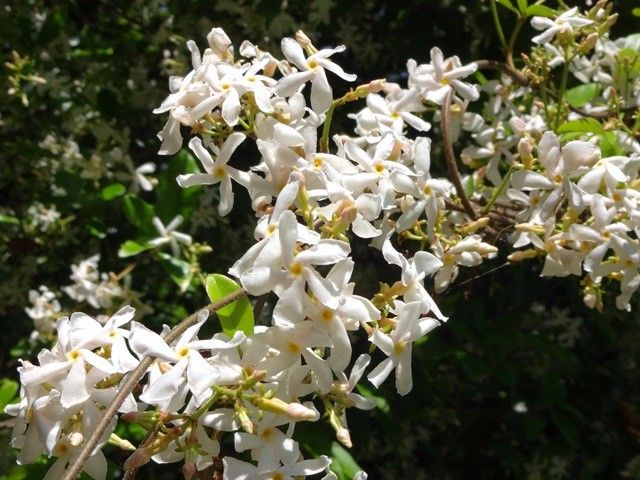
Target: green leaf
585	125
237	316
183	200
343	463
131	248
318	442
140	213
522	6
112	191
178	270
381	403
8	390
582	94
9	219
609	146
509	5
635	12
469	186
540	11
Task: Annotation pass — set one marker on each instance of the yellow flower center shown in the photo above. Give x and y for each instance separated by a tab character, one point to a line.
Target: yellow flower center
327	315
400	346
182	351
293	347
296	268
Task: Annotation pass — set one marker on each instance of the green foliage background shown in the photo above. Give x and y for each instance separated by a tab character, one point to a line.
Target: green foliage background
106	65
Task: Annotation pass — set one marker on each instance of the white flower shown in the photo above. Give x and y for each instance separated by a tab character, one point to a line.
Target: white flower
440	76
564	23
398	345
217	171
312	69
168	234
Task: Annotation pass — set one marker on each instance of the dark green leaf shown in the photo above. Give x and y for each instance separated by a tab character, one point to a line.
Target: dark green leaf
131	248
8	390
9	219
540	11
237	316
183	200
140	213
509	5
178	270
112	191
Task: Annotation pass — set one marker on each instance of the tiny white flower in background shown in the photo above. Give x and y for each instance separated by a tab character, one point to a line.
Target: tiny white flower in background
169	234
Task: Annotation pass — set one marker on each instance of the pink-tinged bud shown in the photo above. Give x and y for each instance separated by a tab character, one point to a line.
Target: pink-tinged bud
590	299
295	411
218	40
189	470
522	255
137	459
302	39
299	412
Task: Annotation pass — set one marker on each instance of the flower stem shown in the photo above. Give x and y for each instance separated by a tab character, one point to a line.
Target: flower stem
496	21
447	147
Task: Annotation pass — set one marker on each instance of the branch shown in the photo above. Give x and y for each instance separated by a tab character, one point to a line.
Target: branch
522	80
132	380
447	145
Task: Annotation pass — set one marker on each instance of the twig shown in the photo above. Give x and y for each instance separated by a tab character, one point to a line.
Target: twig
447	145
522	80
132	380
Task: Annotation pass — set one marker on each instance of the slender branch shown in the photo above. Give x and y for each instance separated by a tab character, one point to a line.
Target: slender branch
447	146
498	191
522	80
132	380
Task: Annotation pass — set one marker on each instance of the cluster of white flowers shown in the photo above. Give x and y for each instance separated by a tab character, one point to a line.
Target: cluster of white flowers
98	289
90	285
558	196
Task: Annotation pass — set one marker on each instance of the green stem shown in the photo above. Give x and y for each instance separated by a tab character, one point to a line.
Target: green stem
496	21
326	129
563	87
498	191
512	40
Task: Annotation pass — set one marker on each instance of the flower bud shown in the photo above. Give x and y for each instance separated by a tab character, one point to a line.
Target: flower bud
137	459
588	43
522	255
302	39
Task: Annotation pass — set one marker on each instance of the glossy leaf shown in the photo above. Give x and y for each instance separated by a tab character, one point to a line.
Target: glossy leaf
131	248
582	94
237	316
112	191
